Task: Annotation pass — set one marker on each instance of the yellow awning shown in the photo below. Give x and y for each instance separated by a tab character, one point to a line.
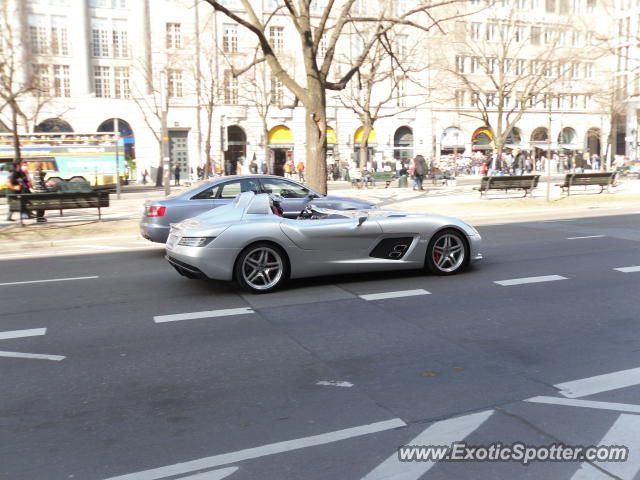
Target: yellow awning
280	135
331	136
357	138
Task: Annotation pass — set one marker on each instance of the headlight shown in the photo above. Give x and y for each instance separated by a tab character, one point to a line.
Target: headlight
195	241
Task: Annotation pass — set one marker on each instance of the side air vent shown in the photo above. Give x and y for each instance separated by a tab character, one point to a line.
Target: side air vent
392	248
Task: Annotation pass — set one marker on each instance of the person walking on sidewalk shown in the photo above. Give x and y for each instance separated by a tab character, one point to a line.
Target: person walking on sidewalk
19	183
419	169
39	187
300	169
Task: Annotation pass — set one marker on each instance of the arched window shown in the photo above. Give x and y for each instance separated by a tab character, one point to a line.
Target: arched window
403	144
51	125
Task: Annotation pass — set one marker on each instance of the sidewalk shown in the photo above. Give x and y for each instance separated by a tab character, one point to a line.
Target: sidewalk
120	220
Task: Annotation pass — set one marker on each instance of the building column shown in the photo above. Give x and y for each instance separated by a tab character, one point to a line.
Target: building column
80	44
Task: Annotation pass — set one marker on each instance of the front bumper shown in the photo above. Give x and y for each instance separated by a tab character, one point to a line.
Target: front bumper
475	244
203	262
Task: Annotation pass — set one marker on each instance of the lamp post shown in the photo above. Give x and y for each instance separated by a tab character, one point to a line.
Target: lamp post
164	134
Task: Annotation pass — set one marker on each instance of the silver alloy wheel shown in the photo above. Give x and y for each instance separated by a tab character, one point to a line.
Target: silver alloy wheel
448	253
262	268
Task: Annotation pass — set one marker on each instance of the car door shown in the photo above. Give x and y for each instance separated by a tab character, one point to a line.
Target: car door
295	197
339	234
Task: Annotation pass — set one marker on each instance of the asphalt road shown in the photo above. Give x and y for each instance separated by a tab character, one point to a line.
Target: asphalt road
315	381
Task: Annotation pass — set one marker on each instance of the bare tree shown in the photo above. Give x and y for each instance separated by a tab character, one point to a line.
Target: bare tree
504	71
380	87
315	23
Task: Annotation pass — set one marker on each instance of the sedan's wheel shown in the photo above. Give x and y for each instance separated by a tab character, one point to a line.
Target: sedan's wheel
261	268
447	253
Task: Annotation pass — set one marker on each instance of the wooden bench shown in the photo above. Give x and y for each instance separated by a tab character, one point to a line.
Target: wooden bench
601	179
21	202
509	182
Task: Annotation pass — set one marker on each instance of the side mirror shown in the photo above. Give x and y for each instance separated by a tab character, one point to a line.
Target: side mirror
362	219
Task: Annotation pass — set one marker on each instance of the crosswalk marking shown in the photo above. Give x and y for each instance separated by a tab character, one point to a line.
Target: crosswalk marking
444	432
624	432
397	294
570	402
628	269
600	383
32	332
207	314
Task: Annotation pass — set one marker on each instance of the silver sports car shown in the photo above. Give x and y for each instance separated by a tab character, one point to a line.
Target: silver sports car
249	242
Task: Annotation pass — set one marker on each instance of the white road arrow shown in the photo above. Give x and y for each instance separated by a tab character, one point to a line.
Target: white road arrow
27	333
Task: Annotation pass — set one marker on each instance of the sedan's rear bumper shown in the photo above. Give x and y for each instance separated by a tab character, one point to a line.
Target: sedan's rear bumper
154	232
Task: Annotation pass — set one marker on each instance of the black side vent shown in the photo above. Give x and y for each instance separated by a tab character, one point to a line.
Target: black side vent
392	248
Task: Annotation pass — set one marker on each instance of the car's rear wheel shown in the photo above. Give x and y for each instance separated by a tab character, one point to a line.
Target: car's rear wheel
261	268
447	253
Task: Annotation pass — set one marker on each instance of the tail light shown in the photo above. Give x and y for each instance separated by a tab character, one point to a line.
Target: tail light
155	211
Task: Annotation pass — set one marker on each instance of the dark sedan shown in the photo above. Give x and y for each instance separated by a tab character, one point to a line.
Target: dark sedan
159	214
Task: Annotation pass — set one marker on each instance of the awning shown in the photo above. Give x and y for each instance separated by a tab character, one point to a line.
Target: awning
357	138
331	136
280	136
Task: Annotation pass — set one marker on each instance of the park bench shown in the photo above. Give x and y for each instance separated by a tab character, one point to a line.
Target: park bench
508	182
61	201
601	179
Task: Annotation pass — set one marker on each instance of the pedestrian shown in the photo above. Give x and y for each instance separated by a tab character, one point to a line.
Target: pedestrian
300	169
19	183
288	168
419	169
39	186
145	174
176	174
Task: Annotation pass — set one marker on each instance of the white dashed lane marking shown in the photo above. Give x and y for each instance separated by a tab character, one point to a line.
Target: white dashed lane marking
398	294
587	236
522	281
207	314
628	269
33	332
35	356
49	280
334	383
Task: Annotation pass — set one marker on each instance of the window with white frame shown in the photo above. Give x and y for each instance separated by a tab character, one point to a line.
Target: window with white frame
547	69
506	101
492	31
401	92
174	83
173	35
475	99
586	102
505	32
492	63
520	33
38	34
120	39
401	45
535	35
100	33
491	100
102	81
573	102
549	36
230	87
474	65
61	81
460	62
459	98
475	2
506	65
276	38
121	82
476	30
359	7
576	38
230	38
521	4
120	4
42	78
358	46
575	70
588	70
520	102
533	101
59	35
277	92
520	66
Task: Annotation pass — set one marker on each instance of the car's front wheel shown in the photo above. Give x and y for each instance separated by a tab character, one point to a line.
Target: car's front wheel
447	253
261	268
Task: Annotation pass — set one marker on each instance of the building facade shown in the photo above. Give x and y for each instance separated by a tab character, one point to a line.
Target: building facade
126	65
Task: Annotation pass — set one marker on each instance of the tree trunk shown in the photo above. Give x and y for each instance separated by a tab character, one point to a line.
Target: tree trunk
207	146
265	146
17	154
160	172
316	129
364	145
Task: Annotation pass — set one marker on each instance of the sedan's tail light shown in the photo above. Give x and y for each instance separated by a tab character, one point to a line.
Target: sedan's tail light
155	211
